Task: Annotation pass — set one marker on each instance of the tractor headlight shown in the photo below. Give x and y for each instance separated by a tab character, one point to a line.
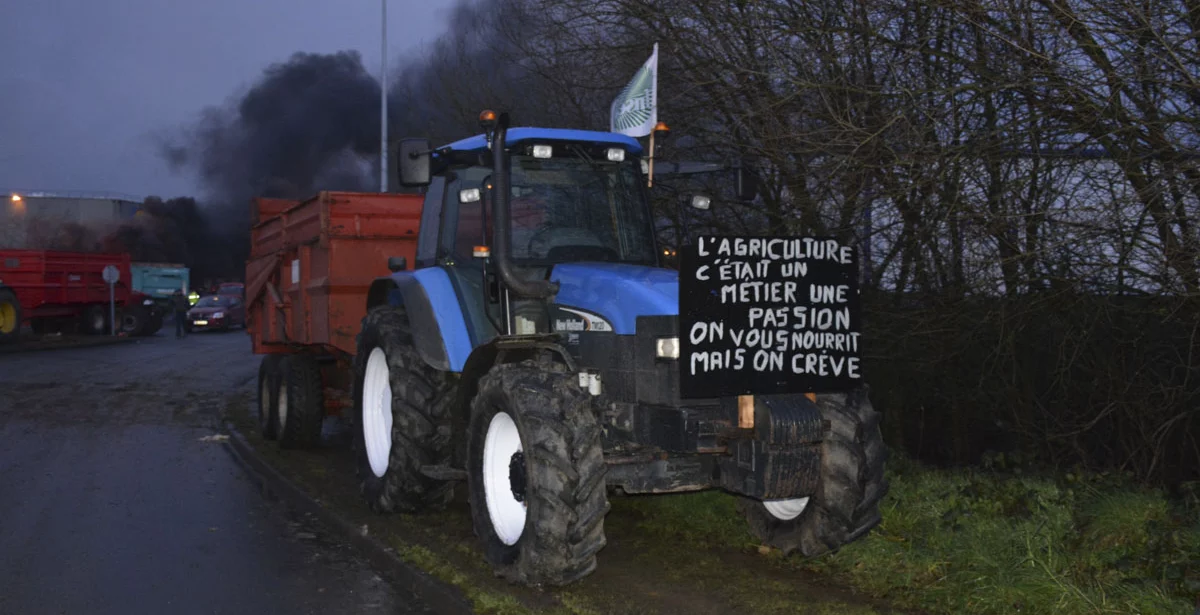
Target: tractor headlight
667	348
616	154
148	302
542	151
218	315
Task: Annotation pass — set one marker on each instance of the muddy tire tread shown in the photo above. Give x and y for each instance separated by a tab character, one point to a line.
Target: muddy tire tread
845	505
301	374
421	400
568	494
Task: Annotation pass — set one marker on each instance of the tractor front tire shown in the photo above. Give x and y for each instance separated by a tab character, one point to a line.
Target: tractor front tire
300	402
846	503
268	391
402	418
535	473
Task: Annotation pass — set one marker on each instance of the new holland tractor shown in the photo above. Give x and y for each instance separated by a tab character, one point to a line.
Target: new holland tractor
531	350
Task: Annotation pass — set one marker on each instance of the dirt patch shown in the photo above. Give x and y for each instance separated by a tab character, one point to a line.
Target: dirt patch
646	567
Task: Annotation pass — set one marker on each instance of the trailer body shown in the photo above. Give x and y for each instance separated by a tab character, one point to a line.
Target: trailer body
311	265
52	289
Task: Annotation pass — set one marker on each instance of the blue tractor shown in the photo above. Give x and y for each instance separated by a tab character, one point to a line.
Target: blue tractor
531	351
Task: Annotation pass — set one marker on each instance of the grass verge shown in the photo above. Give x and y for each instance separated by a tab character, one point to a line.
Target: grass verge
974	541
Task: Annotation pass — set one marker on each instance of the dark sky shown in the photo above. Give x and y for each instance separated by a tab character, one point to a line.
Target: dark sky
86	85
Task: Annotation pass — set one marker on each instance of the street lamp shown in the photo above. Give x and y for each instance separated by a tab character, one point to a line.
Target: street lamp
383	154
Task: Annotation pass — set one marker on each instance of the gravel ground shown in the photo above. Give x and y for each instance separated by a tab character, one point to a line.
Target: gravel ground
117	497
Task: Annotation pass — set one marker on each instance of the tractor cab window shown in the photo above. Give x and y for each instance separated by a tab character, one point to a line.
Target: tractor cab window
462	228
576	209
431	213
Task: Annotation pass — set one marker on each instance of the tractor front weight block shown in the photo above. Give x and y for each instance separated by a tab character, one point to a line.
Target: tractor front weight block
685	449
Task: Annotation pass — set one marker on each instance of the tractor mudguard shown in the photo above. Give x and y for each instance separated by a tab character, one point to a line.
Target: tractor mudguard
498	351
438	328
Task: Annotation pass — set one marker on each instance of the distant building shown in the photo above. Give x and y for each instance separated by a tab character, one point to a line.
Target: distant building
26	217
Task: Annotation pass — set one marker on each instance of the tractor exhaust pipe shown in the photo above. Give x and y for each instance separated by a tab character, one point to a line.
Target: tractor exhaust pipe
530	289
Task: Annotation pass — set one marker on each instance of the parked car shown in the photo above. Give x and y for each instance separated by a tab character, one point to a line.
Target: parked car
232	288
217	312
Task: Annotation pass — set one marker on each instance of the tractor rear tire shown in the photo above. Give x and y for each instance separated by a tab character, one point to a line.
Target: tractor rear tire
394	384
845	505
268	391
10	316
536	474
300	402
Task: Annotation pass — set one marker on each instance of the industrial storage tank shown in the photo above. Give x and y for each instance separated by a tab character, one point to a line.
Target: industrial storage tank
27	216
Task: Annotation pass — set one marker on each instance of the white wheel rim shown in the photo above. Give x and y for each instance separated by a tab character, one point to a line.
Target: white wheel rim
506	512
786	510
377	412
281	406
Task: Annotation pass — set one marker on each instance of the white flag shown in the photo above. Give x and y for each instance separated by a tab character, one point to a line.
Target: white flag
635	111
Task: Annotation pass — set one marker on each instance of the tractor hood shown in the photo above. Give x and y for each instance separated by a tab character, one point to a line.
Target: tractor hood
619	293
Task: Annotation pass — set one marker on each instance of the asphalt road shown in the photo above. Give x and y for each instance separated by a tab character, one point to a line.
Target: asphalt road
113	501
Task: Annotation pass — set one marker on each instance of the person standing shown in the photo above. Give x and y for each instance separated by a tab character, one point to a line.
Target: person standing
181	307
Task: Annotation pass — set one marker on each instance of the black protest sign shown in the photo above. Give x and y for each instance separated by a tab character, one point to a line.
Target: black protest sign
768	315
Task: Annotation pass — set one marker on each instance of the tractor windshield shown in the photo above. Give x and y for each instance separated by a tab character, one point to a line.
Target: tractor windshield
579	209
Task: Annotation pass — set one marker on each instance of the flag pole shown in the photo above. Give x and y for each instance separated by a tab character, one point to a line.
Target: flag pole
650	180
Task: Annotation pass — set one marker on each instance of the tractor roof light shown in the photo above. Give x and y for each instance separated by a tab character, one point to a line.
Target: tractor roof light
616	154
487	119
469	195
542	151
661	129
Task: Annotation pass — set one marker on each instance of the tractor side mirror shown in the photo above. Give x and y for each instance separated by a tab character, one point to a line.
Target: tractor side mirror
397	263
747	184
414	162
701	202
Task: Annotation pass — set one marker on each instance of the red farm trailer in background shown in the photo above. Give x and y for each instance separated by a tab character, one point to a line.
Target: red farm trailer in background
64	291
311	266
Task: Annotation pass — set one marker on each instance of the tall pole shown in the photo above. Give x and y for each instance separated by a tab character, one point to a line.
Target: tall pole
383	87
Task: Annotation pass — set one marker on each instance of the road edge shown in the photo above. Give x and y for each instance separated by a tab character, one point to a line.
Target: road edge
441	597
110	340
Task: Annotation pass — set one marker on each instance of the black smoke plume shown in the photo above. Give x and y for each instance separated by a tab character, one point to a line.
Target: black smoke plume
308	124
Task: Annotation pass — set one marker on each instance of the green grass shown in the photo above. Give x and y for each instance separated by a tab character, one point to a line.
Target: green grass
970	541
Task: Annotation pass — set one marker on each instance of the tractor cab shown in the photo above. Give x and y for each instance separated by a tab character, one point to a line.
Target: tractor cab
516	228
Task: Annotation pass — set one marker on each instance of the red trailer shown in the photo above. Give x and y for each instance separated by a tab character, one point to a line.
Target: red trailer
61	291
311	266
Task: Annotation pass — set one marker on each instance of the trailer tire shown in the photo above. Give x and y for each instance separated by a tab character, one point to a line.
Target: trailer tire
300	402
536	474
389	461
845	505
94	320
41	326
268	391
135	321
156	325
10	316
